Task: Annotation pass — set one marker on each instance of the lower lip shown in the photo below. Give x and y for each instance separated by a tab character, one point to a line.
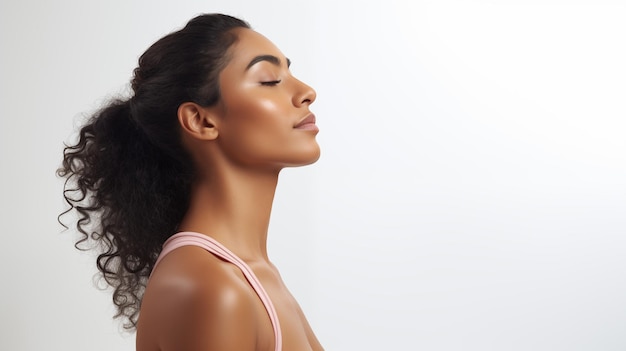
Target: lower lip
308	126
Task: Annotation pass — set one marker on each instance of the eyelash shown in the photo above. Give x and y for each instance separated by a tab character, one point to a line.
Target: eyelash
271	83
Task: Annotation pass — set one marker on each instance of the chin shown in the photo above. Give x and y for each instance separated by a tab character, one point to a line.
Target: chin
304	158
314	156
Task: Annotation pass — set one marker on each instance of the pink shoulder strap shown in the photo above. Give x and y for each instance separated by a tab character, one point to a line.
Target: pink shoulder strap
211	245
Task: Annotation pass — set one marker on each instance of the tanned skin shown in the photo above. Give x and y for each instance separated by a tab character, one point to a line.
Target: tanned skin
195	301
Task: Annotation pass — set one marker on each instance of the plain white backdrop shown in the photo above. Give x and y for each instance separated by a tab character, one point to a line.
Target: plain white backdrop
471	194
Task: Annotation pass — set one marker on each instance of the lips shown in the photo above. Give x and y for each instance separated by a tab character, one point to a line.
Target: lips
307	123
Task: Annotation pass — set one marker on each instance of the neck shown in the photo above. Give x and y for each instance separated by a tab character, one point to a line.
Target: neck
234	208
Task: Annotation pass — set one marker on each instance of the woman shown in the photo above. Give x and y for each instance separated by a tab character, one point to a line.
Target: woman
176	185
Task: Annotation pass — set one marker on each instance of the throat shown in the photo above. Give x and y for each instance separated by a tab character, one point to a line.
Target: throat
235	211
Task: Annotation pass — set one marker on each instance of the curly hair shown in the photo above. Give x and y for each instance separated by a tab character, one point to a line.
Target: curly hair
128	177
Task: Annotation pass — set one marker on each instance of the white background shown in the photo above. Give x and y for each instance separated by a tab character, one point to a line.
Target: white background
472	189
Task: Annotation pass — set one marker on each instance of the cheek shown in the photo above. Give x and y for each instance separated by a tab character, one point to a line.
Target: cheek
258	114
269	107
255	127
263	111
248	104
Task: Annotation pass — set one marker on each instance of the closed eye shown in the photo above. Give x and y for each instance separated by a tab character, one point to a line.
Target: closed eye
271	83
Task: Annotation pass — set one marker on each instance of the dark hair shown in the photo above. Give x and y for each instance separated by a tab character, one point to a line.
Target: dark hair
128	178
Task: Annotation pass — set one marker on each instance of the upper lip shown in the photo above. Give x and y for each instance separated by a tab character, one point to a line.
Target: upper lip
310	118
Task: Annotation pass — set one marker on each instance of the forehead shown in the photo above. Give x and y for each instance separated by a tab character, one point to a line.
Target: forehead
249	45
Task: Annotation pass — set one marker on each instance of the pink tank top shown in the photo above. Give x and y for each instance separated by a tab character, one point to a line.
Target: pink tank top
211	245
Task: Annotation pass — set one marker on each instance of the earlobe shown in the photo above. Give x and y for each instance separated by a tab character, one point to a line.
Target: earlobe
197	121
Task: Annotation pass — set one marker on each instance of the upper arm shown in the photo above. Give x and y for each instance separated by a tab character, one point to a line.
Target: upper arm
218	319
207	309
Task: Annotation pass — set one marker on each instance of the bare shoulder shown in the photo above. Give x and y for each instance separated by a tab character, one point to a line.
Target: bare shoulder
195	301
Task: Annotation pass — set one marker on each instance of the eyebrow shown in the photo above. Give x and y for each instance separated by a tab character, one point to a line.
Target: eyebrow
269	58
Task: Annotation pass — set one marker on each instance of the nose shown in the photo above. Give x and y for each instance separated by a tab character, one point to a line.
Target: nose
305	95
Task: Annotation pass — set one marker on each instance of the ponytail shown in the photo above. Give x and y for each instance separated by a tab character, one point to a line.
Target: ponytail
129	197
128	177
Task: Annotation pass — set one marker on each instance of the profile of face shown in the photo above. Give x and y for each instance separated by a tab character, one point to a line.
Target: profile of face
263	117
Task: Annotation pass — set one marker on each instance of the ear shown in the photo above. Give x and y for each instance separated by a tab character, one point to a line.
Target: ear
197	121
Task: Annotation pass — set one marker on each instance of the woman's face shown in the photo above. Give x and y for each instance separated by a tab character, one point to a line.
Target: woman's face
264	117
